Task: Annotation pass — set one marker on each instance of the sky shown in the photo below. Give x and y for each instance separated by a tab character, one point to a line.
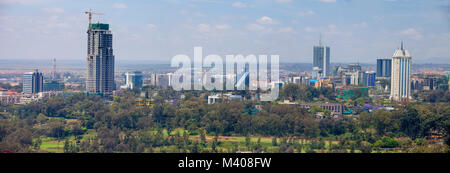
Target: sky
155	31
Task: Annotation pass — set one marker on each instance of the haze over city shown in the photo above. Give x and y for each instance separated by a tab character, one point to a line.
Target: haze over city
155	31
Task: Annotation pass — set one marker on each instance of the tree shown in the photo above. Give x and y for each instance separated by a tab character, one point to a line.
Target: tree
41	118
290	91
387	142
383	121
66	146
310	127
315	108
360	101
19	140
195	147
258	147
274	141
247	141
56	129
37	144
411	123
213	147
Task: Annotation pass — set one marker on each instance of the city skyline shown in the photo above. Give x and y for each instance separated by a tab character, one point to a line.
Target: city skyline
290	29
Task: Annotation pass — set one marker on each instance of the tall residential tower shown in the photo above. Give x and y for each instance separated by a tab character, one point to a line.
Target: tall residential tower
321	61
401	75
100	59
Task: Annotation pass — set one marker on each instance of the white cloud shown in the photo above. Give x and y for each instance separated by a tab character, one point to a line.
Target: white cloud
332	26
286	30
151	26
119	6
21	2
378	18
412	33
283	1
269	30
266	20
184	12
306	13
308	29
9	29
223	26
330	30
361	25
199	14
239	5
255	27
328	1
203	27
53	10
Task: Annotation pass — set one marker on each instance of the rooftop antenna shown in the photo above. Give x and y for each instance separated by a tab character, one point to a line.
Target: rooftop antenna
401	47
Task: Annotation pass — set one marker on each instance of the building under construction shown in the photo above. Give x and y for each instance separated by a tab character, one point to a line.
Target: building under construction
100	59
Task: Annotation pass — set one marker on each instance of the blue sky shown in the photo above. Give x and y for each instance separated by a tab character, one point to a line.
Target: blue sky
356	30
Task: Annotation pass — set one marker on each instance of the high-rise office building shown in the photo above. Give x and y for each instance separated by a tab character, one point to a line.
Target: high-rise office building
163	80
384	67
356	78
401	76
33	82
322	59
369	78
134	79
53	85
100	59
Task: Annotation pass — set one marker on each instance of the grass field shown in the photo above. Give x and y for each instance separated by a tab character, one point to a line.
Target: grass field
52	145
226	143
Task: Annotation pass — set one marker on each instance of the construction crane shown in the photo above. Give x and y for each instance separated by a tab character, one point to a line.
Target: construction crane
91	13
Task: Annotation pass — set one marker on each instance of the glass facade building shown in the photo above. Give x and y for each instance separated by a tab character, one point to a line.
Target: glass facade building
53	85
321	59
134	79
384	67
32	82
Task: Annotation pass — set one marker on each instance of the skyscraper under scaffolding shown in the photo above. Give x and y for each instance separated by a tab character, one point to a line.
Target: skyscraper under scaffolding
100	59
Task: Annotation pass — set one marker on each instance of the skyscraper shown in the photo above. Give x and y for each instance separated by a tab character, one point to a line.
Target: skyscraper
163	80
33	82
100	59
401	76
384	67
53	85
369	78
134	79
322	59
